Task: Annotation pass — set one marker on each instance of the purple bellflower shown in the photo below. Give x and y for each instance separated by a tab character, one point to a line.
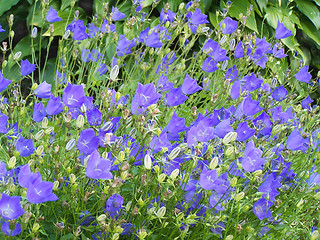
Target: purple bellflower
43	90
98	167
261	208
296	142
303	75
207	179
54	105
244	132
114	205
175	97
279	93
52	16
4	83
73	96
39	112
5	227
305	103
10	207
88	141
282	31
25	147
124	45
252	160
26	177
116	15
229	26
79	31
94	117
190	85
40	191
3	123
164	84
167	16
196	19
27	67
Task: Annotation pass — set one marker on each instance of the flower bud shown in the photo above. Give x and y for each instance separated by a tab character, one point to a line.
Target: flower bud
224	65
213	163
35	227
44	122
70	145
121	156
315	235
161	212
39	135
39	150
317	196
161	178
223	39
118	96
83	108
233	182
229	151
232	44
174	153
66	34
300	203
239	196
147	162
49	130
229	137
12	162
181	6
80	121
257	173
101	218
72	178
115	236
34	32
107	126
229	237
174	174
114	72
128	206
16	56
55	185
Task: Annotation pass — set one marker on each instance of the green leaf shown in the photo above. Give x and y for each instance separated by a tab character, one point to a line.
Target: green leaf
147	3
65	4
317	2
242	6
174	4
309	10
277	14
262	4
7	5
98	8
308	28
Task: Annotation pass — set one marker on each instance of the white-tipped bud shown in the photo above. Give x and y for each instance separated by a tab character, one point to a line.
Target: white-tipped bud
114	72
232	44
70	145
274	82
230	137
107	126
213	163
44	123
66	34
34	32
174	153
205	29
174	174
83	108
55	185
12	162
223	39
147	162
229	237
16	56
161	212
80	121
315	235
39	135
299	204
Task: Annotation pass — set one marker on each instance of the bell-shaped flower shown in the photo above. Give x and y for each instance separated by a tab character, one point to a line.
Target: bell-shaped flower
252	160
209	65
164	84
4	83
73	96
88	141
27	67
94	117
39	112
124	45
79	31
244	132
98	167
167	16
114	205
279	93
196	19
5	227
40	191
52	16
305	103
54	105
228	25
26	177
296	142
282	31
190	85
116	15
3	123
175	97
43	90
303	75
25	147
261	208
10	207
207	178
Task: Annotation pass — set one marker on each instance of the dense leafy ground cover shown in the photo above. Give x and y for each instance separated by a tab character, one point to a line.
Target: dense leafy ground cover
142	134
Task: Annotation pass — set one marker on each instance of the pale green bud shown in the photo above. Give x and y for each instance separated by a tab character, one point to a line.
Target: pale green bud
39	150
230	151
72	178
147	162
115	236
300	203
257	173
101	218
16	56
128	206
161	212
161	178
213	163
315	235
44	123
239	196
35	227
174	153
49	130
317	196
71	144
80	121
12	162
230	137
233	182
174	174
55	185
229	237
39	135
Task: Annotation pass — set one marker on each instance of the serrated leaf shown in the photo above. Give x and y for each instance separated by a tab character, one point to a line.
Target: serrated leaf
310	11
7	5
242	6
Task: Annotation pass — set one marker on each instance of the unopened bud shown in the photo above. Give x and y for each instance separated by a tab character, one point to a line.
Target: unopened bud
232	44
35	227
107	126
147	162
315	235
55	185
229	137
213	163
161	178
114	72
300	203
72	178
161	212
174	153
66	34
121	156
257	173
16	56
39	135
229	151
239	196
71	144
233	182
12	162
80	121
101	218
229	237
34	32
39	150
174	174
44	122
49	130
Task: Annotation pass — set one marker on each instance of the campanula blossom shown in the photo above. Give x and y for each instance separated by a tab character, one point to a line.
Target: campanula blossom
25	147
26	177
52	16
124	45
60	78
79	31
270	185
296	142
303	75
305	103
43	90
94	117
167	16
153	40
10	207
5	227
98	167
40	191
39	112
252	160
278	52
4	83
207	179
3	123
214	50
164	84
228	25
157	143
175	97
209	65
88	141
176	124
145	96
54	105
196	19
279	93
1	29
93	30
116	15
114	205
238	51
282	31
190	85
106	27
223	128
73	96
252	82
261	208
27	67
244	132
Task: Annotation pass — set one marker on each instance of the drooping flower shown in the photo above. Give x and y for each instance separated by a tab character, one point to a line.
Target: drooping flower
252	82
24	147
305	103
40	191
190	85
98	167
282	31
27	67
228	25
52	16
303	75
43	90
73	96
4	83
10	207
153	40
296	142
157	143
124	45
54	105
116	15
209	65
261	208
114	205
167	16
164	84
79	31
223	128
244	132
88	141
270	185
39	112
